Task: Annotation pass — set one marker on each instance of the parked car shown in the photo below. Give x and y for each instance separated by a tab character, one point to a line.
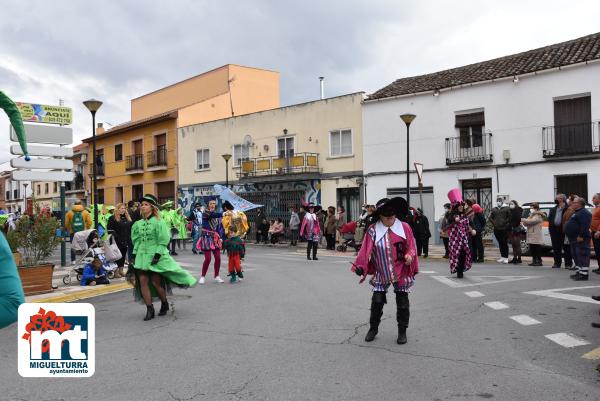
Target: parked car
545	208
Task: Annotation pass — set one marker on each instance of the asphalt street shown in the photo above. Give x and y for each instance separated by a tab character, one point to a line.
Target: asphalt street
294	330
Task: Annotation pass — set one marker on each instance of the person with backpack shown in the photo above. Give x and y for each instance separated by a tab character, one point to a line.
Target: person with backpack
77	219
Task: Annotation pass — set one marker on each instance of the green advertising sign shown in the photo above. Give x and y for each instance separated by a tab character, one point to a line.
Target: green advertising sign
42	113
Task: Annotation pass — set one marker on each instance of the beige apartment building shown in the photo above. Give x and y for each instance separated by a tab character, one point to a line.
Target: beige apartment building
304	153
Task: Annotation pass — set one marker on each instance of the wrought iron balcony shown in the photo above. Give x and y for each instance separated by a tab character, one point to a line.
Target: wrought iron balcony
469	149
571	140
99	170
157	159
134	163
275	165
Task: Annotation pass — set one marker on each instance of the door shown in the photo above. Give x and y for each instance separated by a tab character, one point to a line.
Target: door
165	191
349	198
285	147
572	185
275	204
572	125
138	156
161	149
480	191
137	191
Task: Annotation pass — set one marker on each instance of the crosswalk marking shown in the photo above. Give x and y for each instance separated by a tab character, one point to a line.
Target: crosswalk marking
566	340
474	294
525	320
427	271
557	293
474	280
496	305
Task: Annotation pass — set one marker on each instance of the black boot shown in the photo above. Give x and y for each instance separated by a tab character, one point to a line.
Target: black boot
402	315
149	312
377	302
519	261
459	272
308	248
314	251
164	308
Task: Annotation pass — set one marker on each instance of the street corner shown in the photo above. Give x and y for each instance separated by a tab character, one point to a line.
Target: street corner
72	294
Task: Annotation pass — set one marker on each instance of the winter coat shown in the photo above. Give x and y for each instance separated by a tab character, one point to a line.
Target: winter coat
341	219
567	213
515	216
121	230
330	224
444	225
534	224
479	222
501	218
294	221
579	225
558	229
421	227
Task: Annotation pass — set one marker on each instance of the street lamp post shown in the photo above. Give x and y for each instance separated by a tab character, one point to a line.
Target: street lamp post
93	105
408	118
226	156
25	185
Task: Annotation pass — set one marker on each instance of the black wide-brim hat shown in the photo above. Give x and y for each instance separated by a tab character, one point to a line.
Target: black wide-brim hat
151	199
316	207
397	204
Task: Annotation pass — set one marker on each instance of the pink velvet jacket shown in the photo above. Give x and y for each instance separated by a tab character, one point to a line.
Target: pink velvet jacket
373	259
304	227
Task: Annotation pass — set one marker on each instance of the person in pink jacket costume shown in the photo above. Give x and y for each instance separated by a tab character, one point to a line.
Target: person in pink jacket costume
389	254
311	230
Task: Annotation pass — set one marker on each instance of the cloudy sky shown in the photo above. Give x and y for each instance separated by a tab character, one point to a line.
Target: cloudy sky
115	50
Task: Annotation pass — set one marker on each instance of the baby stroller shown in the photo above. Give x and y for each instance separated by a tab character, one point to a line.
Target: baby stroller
348	232
87	246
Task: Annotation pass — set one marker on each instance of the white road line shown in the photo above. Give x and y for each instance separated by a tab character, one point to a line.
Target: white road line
471	280
427	271
496	305
525	320
474	294
555	293
567	340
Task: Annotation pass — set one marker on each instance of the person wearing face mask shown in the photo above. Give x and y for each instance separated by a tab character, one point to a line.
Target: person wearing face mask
389	254
501	218
577	231
516	230
555	218
534	223
443	222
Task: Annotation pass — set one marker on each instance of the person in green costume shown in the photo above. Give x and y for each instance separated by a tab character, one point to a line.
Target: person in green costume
152	270
170	217
181	226
11	290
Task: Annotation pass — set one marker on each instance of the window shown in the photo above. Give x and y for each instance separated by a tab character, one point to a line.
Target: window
118	195
202	159
118	152
7	195
137	191
46	188
39	189
285	146
340	143
101	195
55	187
470	129
240	153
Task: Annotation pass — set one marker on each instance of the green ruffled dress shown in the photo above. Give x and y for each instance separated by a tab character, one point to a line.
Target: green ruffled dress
151	236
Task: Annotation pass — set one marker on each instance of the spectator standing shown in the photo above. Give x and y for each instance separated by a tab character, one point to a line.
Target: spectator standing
534	223
479	226
258	221
500	218
595	228
294	226
301	214
557	234
120	226
577	231
443	222
421	232
565	218
330	228
516	232
77	219
195	217
340	220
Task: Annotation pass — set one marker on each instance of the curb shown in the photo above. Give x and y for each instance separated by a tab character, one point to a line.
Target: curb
78	295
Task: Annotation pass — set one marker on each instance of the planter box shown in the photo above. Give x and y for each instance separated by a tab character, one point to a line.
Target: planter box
36	279
17	258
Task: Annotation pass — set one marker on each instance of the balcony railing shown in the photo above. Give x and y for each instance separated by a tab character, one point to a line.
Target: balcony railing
134	163
158	157
469	149
571	140
275	165
99	170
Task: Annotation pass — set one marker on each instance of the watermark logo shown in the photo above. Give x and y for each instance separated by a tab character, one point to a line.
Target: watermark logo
57	340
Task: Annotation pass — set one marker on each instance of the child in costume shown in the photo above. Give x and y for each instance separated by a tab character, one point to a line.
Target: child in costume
235	225
389	254
180	224
211	240
459	231
311	230
153	268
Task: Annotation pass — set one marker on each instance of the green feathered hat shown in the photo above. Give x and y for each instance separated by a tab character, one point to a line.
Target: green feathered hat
167	205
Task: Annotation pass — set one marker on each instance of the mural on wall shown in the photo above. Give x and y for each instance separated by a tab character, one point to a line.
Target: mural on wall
187	196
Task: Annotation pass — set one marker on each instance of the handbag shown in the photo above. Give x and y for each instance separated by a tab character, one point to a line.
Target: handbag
111	250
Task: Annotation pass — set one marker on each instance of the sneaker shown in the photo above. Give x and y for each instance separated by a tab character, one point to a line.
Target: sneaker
504	261
201	280
218	280
501	260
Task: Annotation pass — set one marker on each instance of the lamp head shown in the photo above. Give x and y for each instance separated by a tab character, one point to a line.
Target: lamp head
92	105
408	118
226	157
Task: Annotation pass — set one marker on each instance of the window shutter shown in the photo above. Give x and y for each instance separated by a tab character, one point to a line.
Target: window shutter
469	120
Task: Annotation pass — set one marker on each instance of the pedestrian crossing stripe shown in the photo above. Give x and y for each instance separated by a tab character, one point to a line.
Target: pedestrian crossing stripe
567	340
558	293
474	294
525	320
471	280
496	305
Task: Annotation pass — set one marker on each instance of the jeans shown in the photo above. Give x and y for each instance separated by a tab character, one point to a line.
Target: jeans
294	235
502	238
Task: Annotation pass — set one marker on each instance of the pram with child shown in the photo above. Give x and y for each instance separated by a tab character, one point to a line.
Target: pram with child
88	247
349	233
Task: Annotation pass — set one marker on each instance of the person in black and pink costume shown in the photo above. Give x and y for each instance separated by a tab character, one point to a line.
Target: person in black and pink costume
311	230
389	254
459	232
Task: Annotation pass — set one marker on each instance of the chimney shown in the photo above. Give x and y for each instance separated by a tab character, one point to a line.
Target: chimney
322	82
100	130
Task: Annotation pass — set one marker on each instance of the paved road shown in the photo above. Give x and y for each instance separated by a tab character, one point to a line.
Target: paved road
293	330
